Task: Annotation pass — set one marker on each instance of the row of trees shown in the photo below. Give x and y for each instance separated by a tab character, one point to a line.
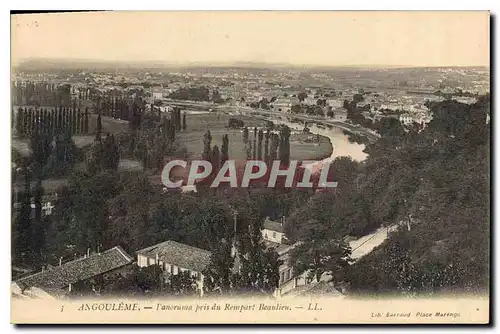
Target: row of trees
52	154
30	121
150	144
196	94
268	146
40	94
313	110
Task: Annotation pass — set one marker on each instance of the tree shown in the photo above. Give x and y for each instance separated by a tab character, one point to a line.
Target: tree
37	237
94	160
441	244
79	121
259	144
218	275
207	146
41	146
273	150
249	150
267	136
19	123
98	127
21	232
85	209
319	255
111	156
254	154
74	118
284	145
224	150
259	265
358	98
181	284
302	96
215	159
64	155
149	279
184	125
245	135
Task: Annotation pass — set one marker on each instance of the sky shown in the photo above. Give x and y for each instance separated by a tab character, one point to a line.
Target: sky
323	38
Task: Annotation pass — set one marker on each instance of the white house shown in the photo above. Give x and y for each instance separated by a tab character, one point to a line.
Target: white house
274	237
335	103
174	258
157	96
406	119
273	231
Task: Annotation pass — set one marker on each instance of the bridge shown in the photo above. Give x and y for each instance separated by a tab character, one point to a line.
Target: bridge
358	130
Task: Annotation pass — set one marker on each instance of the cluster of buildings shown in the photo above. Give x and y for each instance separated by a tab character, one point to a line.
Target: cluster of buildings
399	93
173	257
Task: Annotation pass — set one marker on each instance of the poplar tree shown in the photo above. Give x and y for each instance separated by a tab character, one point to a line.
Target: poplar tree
259	144
207	143
224	150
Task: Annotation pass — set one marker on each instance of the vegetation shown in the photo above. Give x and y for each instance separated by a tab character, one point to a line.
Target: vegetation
442	213
432	182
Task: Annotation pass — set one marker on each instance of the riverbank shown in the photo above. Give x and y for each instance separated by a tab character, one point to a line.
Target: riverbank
339	141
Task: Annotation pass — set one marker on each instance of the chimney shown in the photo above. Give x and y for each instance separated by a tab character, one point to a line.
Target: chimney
282	220
60	261
156	258
88	252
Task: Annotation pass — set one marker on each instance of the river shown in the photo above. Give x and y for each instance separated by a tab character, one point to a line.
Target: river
340	141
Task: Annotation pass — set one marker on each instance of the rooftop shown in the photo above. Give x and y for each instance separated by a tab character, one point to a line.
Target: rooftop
273	225
279	248
178	254
59	277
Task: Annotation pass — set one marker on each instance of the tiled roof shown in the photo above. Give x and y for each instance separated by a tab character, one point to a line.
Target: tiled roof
181	255
77	270
273	225
279	248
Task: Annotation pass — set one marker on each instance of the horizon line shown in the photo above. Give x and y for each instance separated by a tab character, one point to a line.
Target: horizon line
19	62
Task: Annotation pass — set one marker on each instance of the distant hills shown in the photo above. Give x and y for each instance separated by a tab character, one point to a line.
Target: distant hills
89	64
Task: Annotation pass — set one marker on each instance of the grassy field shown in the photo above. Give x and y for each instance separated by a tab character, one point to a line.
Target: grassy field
198	124
302	146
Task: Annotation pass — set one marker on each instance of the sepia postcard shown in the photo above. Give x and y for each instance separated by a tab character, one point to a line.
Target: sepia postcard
250	167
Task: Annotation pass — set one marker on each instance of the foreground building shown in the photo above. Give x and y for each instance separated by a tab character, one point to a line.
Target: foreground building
274	237
174	257
66	278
